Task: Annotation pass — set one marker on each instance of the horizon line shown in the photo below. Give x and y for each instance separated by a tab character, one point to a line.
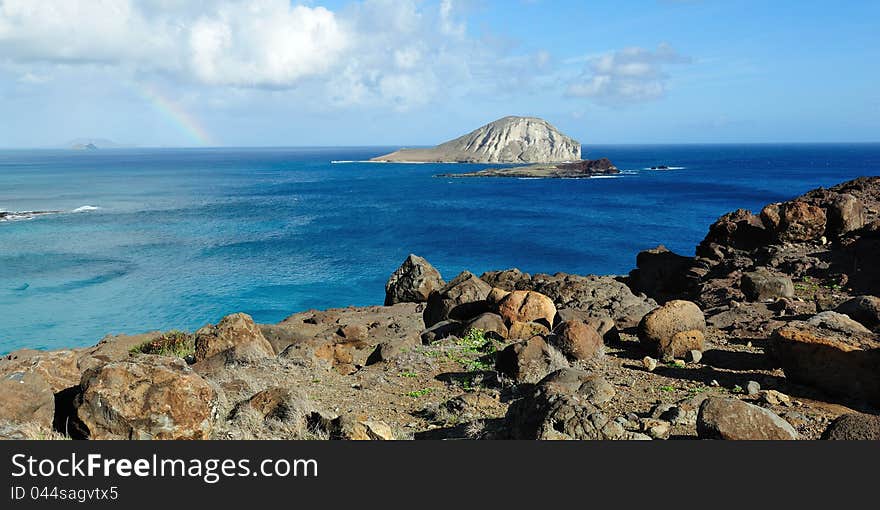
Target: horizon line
385	146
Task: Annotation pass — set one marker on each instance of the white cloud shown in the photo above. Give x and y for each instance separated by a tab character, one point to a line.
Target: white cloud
374	52
267	43
626	76
74	31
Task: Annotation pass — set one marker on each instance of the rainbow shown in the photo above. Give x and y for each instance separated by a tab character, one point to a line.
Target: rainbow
176	115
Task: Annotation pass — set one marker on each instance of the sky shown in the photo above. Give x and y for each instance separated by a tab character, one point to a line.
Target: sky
190	73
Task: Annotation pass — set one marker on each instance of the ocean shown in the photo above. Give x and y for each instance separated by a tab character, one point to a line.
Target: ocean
178	238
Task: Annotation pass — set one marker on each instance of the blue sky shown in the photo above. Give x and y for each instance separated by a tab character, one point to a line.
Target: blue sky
408	72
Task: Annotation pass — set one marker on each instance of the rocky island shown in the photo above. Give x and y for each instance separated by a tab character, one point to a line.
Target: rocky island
577	170
769	331
507	140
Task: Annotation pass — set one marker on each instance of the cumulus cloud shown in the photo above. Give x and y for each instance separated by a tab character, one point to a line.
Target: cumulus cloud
626	76
393	52
78	31
268	43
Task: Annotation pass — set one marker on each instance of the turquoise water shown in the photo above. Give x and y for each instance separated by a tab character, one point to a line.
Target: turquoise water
182	237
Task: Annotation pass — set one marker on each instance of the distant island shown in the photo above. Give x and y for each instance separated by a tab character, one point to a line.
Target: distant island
576	170
84	147
507	140
92	144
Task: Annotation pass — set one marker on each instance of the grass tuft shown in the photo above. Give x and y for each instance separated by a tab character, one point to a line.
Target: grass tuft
174	343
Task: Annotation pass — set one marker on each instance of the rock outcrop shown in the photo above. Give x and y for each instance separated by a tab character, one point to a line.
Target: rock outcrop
507	140
516	355
461	299
236	337
575	170
26	397
833	353
565	405
599	296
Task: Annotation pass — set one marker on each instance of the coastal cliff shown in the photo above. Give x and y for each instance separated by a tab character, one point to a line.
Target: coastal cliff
507	140
770	331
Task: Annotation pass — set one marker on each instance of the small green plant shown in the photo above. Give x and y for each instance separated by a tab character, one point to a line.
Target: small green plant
475	340
411	375
737	389
174	343
420	393
667	389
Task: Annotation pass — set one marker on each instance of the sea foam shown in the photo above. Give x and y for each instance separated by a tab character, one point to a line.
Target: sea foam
86	208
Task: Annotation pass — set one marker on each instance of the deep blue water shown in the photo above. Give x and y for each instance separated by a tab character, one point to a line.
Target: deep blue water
183	237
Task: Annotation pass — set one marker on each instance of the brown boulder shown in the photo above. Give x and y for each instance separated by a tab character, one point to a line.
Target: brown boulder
597	295
528	361
833	353
845	213
491	324
236	337
854	427
603	324
58	368
26	397
795	221
412	282
353	334
673	329
764	286
461	299
527	306
733	419
577	341
441	330
495	296
350	428
153	398
564	406
862	309
740	229
661	273
526	330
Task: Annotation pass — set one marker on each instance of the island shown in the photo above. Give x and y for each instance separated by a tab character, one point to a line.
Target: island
84	147
576	170
93	144
514	140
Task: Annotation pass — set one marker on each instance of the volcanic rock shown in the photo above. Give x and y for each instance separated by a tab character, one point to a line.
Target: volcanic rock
412	282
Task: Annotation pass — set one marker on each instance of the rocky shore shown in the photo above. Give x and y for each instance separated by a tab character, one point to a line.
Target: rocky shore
575	170
23	215
769	332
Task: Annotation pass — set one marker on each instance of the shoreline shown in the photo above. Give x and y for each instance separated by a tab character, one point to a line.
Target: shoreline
762	285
